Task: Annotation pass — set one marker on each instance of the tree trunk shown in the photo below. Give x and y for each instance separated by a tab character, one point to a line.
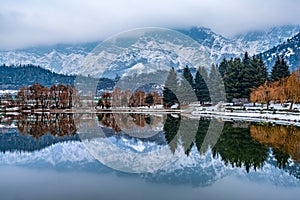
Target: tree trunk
291	106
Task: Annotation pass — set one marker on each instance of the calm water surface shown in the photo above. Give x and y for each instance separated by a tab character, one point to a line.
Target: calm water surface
133	156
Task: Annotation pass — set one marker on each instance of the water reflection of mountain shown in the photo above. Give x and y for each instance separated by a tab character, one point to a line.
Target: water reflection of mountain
35	132
12	140
239	144
181	146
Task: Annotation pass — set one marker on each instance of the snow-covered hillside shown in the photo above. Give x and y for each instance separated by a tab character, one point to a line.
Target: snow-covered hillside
262	40
154	51
290	50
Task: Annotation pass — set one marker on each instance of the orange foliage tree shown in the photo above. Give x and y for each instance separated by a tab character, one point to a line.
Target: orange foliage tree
286	89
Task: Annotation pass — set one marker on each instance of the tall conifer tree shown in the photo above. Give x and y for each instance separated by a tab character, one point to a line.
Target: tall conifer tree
201	89
170	88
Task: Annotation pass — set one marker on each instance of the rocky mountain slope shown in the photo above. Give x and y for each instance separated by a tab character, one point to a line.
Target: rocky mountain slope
69	59
290	50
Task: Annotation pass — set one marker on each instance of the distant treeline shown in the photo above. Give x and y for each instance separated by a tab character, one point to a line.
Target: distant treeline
17	76
14	77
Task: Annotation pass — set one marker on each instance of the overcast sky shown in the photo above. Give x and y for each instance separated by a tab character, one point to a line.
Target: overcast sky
26	23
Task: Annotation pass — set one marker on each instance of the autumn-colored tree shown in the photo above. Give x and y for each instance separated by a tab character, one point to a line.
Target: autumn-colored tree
106	98
137	99
157	98
293	88
116	97
284	90
38	96
262	94
53	96
23	97
125	96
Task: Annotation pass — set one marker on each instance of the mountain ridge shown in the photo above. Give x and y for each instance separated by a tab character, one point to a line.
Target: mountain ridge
290	50
68	58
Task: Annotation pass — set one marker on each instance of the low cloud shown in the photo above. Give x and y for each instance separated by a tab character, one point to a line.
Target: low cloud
33	22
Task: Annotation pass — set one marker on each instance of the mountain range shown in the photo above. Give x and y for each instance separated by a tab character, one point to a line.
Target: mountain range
160	51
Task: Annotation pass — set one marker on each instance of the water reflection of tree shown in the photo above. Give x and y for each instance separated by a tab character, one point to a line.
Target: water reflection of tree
171	127
186	131
108	120
239	145
236	147
127	121
281	157
201	133
41	124
284	139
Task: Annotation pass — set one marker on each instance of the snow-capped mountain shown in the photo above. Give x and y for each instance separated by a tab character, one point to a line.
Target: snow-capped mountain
149	53
262	40
144	51
290	50
217	45
61	58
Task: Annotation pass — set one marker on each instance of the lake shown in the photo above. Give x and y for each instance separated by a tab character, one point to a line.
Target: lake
146	156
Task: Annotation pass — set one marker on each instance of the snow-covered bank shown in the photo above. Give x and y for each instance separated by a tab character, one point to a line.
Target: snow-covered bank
278	114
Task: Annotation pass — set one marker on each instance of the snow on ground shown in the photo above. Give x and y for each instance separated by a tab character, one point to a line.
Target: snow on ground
279	114
3	92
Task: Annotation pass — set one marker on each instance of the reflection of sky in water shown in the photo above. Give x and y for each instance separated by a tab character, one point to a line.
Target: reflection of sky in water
72	169
67	170
21	183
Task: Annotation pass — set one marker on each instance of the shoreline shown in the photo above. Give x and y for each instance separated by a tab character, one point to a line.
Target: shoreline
279	117
287	118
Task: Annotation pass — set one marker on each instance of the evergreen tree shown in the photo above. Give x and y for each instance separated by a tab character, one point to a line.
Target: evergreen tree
149	99
187	75
280	69
223	67
169	97
215	85
262	71
249	75
232	79
201	89
241	76
186	93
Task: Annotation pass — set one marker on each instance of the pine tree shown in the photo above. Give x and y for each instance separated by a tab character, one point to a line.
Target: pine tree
223	67
262	71
233	78
248	74
280	69
187	75
284	68
215	85
149	99
186	93
169	97
201	89
241	76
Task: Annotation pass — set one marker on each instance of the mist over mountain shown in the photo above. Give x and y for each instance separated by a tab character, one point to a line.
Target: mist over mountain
69	58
